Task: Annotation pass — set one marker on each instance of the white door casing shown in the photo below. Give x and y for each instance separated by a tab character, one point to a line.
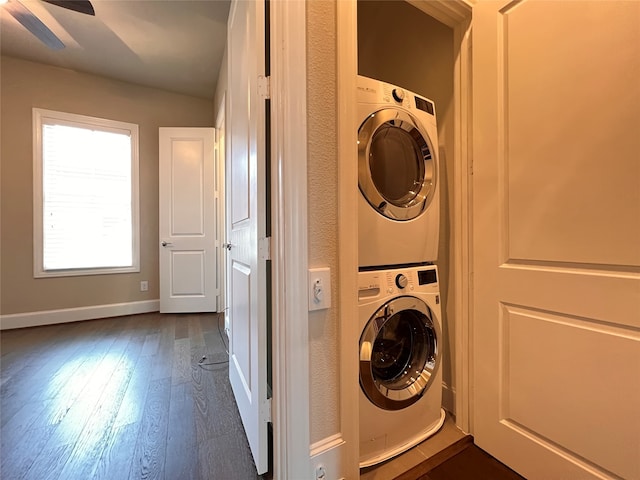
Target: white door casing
556	249
221	223
247	224
187	220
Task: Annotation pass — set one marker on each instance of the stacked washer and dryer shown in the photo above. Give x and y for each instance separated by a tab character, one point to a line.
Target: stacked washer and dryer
398	294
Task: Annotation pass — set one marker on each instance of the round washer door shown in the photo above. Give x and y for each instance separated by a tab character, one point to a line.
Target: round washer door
396	168
399	353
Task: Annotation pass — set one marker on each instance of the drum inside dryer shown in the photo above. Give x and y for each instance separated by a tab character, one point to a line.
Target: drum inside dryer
399	353
396	169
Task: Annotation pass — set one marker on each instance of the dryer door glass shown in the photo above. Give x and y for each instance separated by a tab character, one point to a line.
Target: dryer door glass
399	353
396	168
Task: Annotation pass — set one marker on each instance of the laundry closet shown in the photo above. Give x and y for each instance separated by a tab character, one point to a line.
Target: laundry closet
547	121
411	54
401	45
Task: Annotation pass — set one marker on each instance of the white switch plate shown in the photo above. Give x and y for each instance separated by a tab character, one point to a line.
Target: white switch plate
319	288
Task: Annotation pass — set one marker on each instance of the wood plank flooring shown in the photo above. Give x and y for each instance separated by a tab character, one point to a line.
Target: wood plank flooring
472	463
462	460
120	398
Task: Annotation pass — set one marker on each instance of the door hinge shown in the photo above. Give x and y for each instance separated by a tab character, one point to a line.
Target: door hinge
264	248
264	87
267	410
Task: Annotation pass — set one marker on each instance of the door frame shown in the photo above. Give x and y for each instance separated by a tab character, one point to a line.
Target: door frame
289	245
292	455
456	15
221	207
288	248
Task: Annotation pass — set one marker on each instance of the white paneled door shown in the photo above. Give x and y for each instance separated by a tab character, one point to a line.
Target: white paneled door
246	223
556	185
187	224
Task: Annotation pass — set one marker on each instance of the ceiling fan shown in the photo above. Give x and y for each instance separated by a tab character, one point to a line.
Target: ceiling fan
22	14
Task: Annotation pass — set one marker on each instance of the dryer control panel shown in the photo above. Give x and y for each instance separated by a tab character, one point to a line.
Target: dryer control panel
370	90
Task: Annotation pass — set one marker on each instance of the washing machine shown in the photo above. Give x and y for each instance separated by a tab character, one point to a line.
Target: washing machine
399	204
400	360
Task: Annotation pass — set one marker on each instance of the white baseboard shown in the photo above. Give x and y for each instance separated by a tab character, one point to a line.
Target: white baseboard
65	315
327	455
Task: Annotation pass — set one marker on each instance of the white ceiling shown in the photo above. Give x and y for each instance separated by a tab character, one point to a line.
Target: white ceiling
176	45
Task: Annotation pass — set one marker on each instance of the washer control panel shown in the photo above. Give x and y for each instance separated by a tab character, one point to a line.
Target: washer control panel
375	283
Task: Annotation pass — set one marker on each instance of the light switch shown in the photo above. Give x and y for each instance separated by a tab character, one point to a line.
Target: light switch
319	288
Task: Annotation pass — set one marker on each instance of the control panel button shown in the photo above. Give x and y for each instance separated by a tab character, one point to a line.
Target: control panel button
401	281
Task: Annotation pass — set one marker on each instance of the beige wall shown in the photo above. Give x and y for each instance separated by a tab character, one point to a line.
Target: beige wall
399	44
322	184
25	85
221	85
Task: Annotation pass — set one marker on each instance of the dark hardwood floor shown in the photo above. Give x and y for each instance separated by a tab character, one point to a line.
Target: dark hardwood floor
462	460
472	463
120	398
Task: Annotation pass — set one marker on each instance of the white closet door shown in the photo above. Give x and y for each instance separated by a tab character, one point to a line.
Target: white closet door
556	184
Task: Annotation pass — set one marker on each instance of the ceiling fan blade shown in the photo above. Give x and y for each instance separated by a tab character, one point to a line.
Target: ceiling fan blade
29	21
82	6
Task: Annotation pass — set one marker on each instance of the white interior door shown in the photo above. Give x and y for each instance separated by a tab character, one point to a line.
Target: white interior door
246	230
187	223
556	249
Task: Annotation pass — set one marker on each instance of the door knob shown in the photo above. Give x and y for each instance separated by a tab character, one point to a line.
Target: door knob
166	244
227	245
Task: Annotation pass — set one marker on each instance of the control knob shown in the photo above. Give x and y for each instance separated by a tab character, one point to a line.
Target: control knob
401	281
398	94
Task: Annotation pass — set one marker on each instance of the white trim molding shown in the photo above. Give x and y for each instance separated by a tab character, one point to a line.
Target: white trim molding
326	457
451	13
42	118
221	209
289	244
66	315
347	68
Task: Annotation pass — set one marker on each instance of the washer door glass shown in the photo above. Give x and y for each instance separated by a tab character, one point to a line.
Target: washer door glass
399	353
396	170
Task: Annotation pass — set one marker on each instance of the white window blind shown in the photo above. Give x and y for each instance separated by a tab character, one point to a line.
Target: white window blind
88	171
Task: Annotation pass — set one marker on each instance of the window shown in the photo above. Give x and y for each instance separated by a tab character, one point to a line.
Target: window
85	195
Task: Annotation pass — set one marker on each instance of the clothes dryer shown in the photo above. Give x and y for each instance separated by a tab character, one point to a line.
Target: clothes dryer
400	360
398	205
